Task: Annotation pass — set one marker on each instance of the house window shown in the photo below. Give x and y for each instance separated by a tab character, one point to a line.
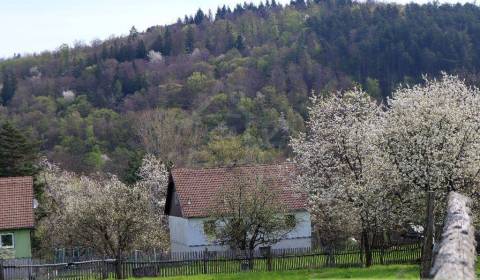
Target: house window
6	240
290	221
209	227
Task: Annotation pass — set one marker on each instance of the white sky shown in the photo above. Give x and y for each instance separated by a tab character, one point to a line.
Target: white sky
28	26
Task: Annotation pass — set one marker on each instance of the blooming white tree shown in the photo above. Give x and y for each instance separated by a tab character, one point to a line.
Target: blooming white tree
431	138
368	168
341	167
154	56
68	95
103	213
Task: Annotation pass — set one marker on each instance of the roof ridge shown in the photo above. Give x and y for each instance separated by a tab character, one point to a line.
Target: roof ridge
234	166
16	177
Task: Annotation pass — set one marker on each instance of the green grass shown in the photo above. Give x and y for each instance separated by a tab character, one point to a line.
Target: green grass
374	272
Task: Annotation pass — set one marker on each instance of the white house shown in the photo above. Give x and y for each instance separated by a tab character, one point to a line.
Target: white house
191	193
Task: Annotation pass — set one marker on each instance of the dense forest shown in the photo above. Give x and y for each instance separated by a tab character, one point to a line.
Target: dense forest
228	86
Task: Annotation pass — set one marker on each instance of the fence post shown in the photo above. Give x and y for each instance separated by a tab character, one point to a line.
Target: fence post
382	252
427	250
104	269
269	258
1	270
205	260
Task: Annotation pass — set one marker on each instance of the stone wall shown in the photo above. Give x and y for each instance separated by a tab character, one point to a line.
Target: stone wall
456	255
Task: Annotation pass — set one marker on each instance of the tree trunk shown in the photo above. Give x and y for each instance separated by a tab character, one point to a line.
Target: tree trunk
367	248
427	250
119	268
251	253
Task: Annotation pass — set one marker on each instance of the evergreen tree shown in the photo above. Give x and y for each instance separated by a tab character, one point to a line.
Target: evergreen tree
17	154
157	45
134	163
133	33
230	38
141	50
105	54
189	40
9	87
221	13
167	47
239	43
199	17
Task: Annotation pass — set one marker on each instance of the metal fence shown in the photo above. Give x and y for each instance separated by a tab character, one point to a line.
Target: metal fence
210	262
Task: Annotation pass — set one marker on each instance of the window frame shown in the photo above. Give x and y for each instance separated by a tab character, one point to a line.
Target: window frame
13	240
291	218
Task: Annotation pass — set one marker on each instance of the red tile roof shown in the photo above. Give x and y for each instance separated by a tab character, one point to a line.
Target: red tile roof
197	188
16	203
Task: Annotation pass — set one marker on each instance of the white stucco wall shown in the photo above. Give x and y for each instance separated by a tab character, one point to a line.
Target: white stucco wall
188	235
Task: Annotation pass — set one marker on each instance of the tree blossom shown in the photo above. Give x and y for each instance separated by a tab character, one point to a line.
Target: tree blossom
340	166
430	135
103	213
68	95
154	56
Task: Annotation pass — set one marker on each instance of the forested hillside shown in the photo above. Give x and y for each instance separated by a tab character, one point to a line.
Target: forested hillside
228	87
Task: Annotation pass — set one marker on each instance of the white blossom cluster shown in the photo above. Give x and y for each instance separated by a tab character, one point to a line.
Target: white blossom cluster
68	95
368	167
154	56
104	213
337	158
154	177
430	135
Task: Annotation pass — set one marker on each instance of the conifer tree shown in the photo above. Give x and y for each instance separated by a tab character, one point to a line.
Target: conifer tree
239	43
141	51
230	38
199	17
157	45
189	40
17	153
167	47
9	86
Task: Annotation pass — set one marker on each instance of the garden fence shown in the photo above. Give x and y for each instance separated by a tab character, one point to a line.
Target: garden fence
211	262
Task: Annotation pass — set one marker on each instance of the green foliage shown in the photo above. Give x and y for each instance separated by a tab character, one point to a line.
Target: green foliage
93	159
223	150
18	154
372	87
197	82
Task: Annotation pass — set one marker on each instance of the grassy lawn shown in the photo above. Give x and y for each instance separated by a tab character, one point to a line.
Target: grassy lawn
375	272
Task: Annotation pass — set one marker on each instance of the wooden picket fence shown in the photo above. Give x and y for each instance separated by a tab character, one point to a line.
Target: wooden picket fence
208	262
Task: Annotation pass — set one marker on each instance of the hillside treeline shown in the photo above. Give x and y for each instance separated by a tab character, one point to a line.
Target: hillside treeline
228	86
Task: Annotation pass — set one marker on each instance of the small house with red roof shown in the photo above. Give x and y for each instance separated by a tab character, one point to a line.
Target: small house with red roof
16	217
192	194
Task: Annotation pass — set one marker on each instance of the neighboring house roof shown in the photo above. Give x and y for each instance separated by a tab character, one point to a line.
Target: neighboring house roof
197	189
16	203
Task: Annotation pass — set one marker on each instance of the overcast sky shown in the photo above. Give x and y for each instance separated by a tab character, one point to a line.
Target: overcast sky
28	26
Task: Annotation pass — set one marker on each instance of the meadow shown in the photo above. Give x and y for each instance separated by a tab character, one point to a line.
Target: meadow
374	272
